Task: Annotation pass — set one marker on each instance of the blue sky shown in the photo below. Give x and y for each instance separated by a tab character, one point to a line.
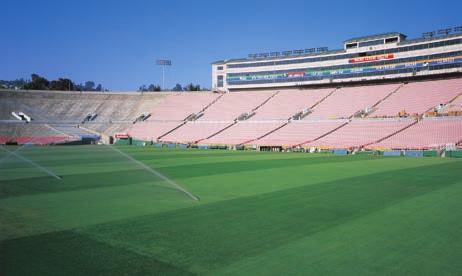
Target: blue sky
116	42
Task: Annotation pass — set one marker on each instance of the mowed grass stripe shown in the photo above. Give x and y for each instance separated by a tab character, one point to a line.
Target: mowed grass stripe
251	182
46	255
46	184
62	209
55	158
194	170
75	176
98	154
46	212
420	236
257	214
205	238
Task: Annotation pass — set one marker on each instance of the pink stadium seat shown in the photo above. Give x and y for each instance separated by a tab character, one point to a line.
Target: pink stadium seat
331	108
24	139
298	132
419	97
151	130
40	140
345	102
231	105
180	105
428	133
242	132
194	131
289	102
361	132
4	139
456	105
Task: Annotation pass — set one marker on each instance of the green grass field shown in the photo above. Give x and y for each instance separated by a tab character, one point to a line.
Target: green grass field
259	214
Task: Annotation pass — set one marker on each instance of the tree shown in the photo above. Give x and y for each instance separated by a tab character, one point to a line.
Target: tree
89	86
14	84
37	83
143	88
62	85
149	88
40	83
177	87
192	87
154	88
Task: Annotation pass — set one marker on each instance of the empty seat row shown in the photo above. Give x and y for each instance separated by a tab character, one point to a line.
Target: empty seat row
231	105
358	133
427	133
345	102
299	132
243	132
195	131
419	97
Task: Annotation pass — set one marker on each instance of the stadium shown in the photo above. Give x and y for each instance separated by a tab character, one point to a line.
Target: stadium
381	92
306	162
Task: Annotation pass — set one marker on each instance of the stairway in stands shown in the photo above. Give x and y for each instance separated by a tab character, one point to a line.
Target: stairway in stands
266	134
325	134
235	121
385	98
265	101
391	135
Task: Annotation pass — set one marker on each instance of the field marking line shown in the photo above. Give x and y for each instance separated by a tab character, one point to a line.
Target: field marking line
47	171
155	172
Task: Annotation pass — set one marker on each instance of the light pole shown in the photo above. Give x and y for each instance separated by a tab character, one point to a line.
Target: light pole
163	63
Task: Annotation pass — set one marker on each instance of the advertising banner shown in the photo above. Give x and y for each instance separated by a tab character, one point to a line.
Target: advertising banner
317	73
371	58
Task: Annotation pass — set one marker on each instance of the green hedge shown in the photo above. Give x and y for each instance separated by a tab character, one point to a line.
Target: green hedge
365	153
454	153
122	142
140	142
430	153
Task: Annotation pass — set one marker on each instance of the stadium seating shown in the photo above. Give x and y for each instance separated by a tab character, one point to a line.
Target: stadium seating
22	129
41	140
59	116
419	97
115	111
70	130
231	105
455	105
178	106
151	130
109	129
345	102
298	132
289	102
361	132
242	132
427	133
194	131
31	133
4	139
170	114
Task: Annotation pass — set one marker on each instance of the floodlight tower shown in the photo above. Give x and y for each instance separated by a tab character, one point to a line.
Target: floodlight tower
163	63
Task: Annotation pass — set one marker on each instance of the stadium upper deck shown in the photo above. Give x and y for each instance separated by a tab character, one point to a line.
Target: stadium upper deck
376	57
